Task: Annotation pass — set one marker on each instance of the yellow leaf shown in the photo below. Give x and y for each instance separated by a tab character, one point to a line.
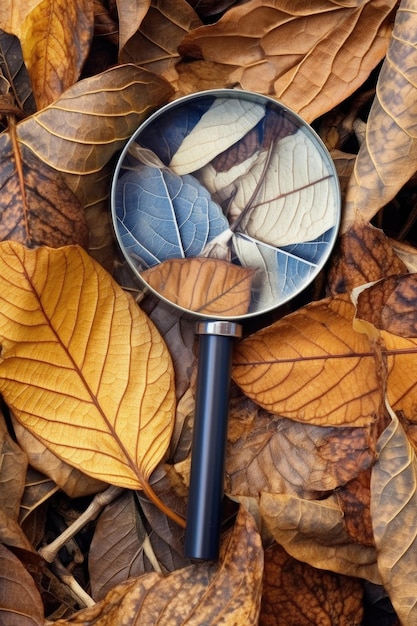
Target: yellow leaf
204	285
312	366
81	366
55	37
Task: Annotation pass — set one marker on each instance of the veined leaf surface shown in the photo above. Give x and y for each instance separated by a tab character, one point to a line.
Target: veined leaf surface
82	367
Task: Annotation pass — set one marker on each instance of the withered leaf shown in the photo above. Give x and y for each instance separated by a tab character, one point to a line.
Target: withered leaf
20	601
311	57
364	254
203	285
41	209
382	168
354	499
390	305
302	595
314	532
102	396
130	16
13	69
393	513
155	44
268	453
312	366
227	593
55	37
13	463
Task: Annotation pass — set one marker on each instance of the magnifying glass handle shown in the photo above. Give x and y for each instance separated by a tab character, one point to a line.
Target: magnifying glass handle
204	512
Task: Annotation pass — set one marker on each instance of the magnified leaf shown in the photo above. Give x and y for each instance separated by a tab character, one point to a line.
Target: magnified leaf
82	367
203	285
161	215
289	192
312	366
225	122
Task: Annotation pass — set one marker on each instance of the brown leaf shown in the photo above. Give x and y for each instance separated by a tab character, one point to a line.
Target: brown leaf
40	209
203	285
383	167
228	593
311	57
390	305
55	36
20	600
13	463
393	512
302	595
103	396
314	531
267	453
364	255
154	46
355	499
130	15
312	366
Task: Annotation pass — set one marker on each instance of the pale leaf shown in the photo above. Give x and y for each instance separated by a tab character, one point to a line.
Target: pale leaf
394	518
81	366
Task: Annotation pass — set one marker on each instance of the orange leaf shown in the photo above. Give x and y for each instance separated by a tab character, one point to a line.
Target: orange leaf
204	285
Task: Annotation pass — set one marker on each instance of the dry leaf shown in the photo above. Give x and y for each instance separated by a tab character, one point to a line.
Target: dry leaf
296	594
222	594
364	255
311	57
312	366
383	167
130	16
20	602
393	512
55	37
13	463
313	531
81	366
39	208
354	499
154	46
268	453
203	285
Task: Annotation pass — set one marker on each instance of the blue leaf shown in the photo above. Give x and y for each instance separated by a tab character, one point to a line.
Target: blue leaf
161	215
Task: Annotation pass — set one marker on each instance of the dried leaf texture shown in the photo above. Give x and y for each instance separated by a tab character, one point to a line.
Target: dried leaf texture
312	366
394	516
203	285
20	602
296	594
81	366
131	14
309	56
226	594
383	167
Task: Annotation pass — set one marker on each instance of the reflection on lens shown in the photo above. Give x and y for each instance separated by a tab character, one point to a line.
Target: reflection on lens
226	177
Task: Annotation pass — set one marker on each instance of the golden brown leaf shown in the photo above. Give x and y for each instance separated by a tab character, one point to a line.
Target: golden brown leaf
393	512
311	57
312	366
155	44
267	453
354	499
55	37
40	209
81	366
383	167
203	285
296	594
364	255
226	594
314	531
21	602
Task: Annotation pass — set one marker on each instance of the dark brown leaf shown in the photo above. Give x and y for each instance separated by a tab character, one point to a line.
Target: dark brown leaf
20	602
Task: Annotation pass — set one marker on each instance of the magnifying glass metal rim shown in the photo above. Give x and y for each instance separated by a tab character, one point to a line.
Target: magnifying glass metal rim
259	99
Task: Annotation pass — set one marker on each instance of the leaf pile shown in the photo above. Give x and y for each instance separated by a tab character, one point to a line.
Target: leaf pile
98	379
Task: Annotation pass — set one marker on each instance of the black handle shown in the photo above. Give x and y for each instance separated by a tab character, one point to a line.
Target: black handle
204	512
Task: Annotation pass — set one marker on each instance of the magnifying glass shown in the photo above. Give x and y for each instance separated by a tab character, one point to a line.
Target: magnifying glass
226	205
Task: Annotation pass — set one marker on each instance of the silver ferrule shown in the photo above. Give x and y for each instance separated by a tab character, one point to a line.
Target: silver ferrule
219	327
